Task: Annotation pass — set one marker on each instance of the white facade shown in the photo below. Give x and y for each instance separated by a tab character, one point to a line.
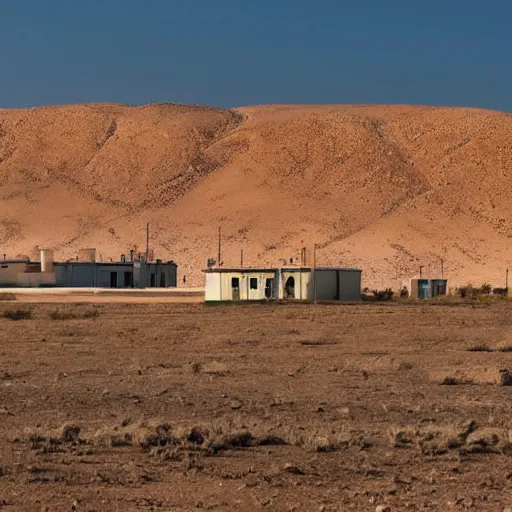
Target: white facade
293	283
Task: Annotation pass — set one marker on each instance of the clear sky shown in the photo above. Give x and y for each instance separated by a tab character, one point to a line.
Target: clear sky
240	52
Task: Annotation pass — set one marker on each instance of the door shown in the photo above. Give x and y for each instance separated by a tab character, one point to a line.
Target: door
423	289
153	280
269	288
113	279
289	288
235	288
162	280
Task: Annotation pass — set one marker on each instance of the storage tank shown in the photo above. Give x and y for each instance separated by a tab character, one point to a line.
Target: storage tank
87	255
46	260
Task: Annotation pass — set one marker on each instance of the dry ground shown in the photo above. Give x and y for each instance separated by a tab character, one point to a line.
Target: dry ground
182	407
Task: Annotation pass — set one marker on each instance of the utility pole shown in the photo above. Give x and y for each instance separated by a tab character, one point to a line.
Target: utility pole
147	242
506	280
421	271
314	274
442	270
220	249
241	258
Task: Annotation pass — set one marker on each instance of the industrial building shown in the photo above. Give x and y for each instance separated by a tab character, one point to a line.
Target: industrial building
427	288
87	272
299	283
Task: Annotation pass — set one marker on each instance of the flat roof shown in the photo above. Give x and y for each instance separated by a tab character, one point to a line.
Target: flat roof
277	269
116	263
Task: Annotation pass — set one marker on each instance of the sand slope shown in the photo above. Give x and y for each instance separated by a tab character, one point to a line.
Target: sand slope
386	188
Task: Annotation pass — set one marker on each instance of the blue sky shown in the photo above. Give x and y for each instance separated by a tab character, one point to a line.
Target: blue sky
235	52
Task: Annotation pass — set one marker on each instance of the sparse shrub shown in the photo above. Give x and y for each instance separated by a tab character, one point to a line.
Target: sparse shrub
505	378
449	381
18	314
62	314
242	439
197	367
7	296
482	347
500	291
485	289
505	348
70	433
383	295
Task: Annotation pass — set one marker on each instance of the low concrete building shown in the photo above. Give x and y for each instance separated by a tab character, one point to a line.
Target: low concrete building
299	283
136	274
427	288
86	272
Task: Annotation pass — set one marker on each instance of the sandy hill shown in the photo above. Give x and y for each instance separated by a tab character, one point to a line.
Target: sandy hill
386	188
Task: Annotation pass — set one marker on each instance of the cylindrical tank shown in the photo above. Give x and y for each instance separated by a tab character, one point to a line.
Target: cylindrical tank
46	260
87	255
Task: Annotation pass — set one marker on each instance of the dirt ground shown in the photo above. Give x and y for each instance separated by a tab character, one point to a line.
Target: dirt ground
182	407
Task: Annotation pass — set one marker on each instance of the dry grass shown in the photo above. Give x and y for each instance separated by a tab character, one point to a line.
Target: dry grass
434	440
18	314
69	314
481	347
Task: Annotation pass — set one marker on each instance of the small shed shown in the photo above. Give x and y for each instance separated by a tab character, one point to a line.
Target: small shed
292	283
427	288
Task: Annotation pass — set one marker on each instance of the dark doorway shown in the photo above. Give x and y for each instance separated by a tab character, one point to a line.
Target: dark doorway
269	288
153	279
113	279
162	280
128	279
289	288
235	288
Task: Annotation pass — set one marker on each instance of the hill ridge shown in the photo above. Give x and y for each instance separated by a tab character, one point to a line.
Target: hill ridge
384	188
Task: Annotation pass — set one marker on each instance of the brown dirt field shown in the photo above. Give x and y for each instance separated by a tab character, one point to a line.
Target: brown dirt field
255	407
384	188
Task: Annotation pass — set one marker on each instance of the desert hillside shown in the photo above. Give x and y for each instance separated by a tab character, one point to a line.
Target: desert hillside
385	188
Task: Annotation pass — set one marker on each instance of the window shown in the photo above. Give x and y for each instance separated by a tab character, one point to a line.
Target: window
254	283
127	279
235	282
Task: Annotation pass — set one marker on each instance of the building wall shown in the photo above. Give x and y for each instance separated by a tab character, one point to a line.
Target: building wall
303	283
326	284
212	287
157	275
36	279
219	285
350	285
9	273
331	284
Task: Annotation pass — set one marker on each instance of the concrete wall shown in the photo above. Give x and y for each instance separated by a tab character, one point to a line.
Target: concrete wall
302	283
331	284
9	273
350	285
36	279
326	284
156	275
90	275
219	285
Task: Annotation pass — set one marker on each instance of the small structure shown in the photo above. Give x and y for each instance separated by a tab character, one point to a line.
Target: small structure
299	283
87	272
427	288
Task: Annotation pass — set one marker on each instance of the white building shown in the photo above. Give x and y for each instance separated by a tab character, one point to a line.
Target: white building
299	283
